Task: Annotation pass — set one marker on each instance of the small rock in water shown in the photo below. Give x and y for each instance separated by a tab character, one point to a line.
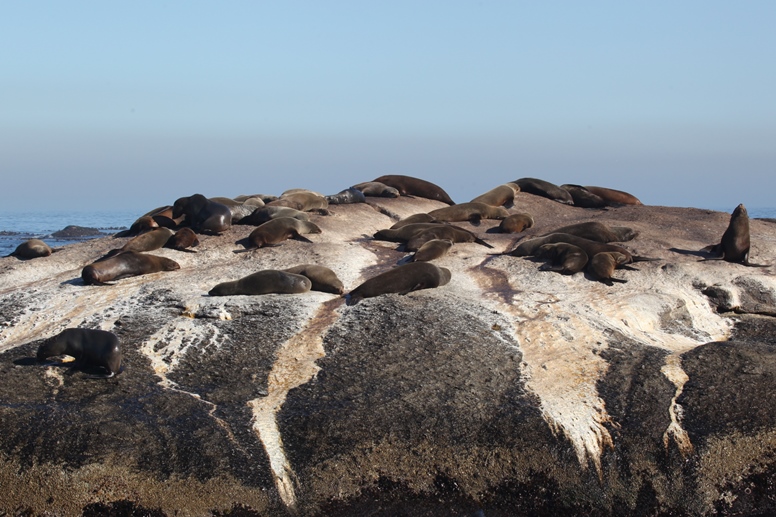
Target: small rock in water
74	232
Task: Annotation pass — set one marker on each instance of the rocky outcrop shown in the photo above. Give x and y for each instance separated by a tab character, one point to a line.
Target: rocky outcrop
507	391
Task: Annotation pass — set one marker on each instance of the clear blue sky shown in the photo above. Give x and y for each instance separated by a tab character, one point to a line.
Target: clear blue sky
133	104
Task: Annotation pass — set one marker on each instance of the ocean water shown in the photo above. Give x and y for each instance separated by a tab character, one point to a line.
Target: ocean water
17	227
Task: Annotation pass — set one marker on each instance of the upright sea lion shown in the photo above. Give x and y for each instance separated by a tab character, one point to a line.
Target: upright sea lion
91	348
499	196
516	223
323	279
443	231
347	197
402	280
31	249
262	215
376	189
602	266
203	215
599	232
545	189
409	186
403	233
275	231
583	198
183	239
124	265
432	250
614	197
304	201
734	246
564	257
413	219
148	241
473	211
268	281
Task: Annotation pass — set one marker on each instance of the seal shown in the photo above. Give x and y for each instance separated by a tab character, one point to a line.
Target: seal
301	200
583	198
347	197
614	197
402	280
413	219
376	189
516	223
268	281
144	223
473	211
545	189
602	266
238	209
409	186
183	239
323	279
403	233
275	231
499	196
148	241
443	231
734	245
124	265
565	258
599	232
432	250
91	349
33	248
262	215
203	215
529	247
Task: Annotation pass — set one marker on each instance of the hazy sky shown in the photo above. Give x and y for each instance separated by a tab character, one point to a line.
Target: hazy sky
132	104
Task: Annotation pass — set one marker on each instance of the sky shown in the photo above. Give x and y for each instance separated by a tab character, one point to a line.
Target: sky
130	105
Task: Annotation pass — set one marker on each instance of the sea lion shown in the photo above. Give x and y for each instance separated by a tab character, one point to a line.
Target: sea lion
516	223
473	211
203	215
529	247
565	258
602	266
376	189
583	198
148	241
91	348
267	213
614	197
545	189
443	231
347	197
33	248
238	209
413	219
252	199
402	280
304	201
409	186
499	196
403	233
124	265
268	281
183	239
298	190
323	279
142	224
734	245
275	231
599	232
432	250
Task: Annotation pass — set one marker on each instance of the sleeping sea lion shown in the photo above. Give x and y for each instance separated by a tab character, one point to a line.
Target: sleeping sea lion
516	223
275	231
322	278
203	215
402	280
473	211
409	186
499	196
183	239
443	231
31	249
602	266
124	265
432	250
268	281
376	189
565	258
545	189
599	232
614	197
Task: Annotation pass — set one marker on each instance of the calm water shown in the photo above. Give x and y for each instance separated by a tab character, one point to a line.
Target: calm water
16	228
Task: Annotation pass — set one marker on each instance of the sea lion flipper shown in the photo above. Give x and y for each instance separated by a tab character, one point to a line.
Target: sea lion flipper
413	288
482	243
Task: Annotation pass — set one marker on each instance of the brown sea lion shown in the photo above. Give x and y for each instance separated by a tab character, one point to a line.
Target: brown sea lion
267	213
323	279
268	281
148	241
91	349
304	201
583	198
443	231
238	209
31	249
413	219
432	250
409	186
602	266
403	233
183	239
402	280
499	196
599	232
564	257
735	244
144	223
376	189
473	211
203	215
124	265
516	223
346	197
545	189
275	231
529	247
614	197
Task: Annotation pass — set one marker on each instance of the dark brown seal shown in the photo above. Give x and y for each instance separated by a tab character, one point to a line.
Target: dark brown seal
203	215
529	247
376	189
473	211
402	280
346	197
275	231
91	348
409	186
33	248
183	239
403	233
734	246
413	219
614	197
267	213
443	231
301	200
583	198
564	257
499	196
148	241
124	265
545	189
323	279
432	250
516	223
602	266
599	232
268	281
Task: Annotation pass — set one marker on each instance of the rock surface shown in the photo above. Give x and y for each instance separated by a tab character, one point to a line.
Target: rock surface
508	391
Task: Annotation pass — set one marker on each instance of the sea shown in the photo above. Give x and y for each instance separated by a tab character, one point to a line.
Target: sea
17	227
